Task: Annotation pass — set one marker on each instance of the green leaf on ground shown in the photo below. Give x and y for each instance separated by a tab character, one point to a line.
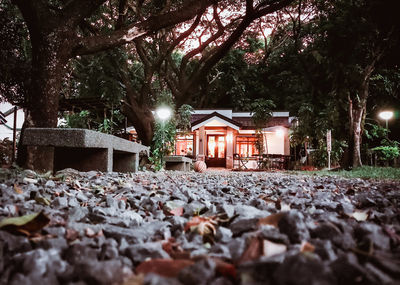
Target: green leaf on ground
27	224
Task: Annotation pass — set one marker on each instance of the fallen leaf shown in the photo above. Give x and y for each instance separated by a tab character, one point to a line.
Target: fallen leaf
270	248
272	220
360	215
225	269
42	200
253	251
163	267
27	224
307	247
18	189
71	234
203	225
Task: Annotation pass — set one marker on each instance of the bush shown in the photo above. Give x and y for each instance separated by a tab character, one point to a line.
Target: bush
6	151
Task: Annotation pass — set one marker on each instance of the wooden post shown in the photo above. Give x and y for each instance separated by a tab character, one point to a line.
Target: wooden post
14	135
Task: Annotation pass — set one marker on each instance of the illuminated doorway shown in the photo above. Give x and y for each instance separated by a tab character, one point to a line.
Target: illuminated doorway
216	151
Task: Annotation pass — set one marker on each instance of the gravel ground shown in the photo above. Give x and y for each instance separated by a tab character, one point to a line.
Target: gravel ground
192	228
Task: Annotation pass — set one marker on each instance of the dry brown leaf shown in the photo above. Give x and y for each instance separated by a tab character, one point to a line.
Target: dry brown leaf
272	220
307	247
253	251
163	267
203	225
18	189
71	234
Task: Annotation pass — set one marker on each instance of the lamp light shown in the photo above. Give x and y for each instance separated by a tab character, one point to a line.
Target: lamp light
163	113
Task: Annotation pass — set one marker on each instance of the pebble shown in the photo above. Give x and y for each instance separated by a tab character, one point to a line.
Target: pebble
114	222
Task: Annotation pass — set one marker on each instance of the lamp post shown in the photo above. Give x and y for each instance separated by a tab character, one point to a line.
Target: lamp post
386	115
163	113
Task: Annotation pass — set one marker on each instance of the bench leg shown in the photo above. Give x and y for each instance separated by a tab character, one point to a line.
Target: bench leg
42	159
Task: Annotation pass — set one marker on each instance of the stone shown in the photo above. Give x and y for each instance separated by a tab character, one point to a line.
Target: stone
81	197
223	235
140	252
60	202
111	202
244	225
303	270
199	273
368	233
101	272
292	224
50	184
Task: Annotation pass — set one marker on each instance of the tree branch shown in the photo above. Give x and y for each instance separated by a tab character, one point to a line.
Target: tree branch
127	34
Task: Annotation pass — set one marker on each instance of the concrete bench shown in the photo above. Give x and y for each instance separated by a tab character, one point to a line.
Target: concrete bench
86	150
176	162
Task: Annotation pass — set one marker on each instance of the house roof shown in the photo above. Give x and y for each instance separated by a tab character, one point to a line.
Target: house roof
218	117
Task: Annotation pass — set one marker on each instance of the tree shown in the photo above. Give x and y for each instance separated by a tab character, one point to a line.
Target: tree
56	36
166	62
357	35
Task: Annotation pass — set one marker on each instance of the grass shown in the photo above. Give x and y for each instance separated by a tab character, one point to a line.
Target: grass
365	172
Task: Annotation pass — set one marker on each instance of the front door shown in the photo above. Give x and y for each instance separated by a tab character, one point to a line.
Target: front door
216	150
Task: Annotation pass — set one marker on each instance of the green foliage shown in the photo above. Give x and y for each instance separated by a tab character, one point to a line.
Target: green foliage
90	120
163	142
365	172
184	117
261	111
320	155
165	132
374	131
79	120
387	153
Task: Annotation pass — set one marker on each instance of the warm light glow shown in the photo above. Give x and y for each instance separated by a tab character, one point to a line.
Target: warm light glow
229	138
386	115
280	132
163	113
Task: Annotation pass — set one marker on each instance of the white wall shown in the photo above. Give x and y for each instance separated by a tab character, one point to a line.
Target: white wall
7	132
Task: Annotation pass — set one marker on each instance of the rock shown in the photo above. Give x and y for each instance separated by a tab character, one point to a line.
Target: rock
111	202
77	213
109	250
249	212
292	224
73	202
368	233
13	243
101	272
303	270
60	202
223	234
199	273
81	197
348	270
50	184
140	252
244	225
154	279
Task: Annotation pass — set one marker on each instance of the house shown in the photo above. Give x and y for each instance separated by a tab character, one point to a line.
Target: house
7	120
220	135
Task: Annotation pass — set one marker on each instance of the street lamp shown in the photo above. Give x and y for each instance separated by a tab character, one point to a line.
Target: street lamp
386	115
163	113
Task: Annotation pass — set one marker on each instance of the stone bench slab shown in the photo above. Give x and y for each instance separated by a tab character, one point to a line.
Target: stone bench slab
86	149
176	162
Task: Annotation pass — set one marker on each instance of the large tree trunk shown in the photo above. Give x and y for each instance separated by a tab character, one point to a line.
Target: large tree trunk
49	57
141	118
357	112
